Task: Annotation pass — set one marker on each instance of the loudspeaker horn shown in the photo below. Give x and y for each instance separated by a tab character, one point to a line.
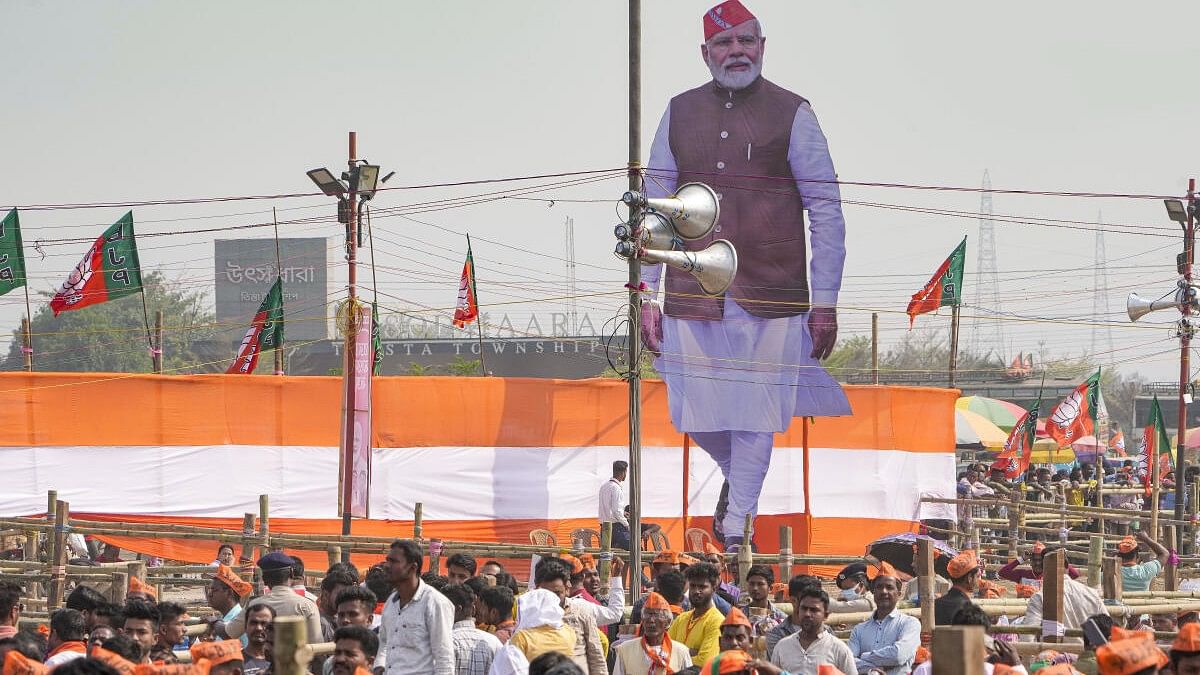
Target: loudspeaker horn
693	210
1136	306
714	267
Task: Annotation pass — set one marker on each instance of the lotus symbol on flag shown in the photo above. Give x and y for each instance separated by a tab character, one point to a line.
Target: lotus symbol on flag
1067	412
72	288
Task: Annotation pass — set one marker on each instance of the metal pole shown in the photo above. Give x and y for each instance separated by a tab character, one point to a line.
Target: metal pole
635	306
279	275
1185	342
350	370
874	347
27	333
953	345
158	342
27	344
479	313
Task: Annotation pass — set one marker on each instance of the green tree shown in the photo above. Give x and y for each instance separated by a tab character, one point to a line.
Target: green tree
111	337
461	367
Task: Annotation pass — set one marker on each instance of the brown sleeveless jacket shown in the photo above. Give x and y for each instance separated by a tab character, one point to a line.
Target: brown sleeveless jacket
725	139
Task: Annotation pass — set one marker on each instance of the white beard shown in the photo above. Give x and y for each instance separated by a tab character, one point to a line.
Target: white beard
735	80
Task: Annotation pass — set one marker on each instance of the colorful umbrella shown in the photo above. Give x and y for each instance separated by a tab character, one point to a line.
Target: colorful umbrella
899	550
1046	451
1001	413
974	430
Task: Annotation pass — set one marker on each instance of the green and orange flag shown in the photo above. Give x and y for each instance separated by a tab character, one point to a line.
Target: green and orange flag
1075	416
12	253
467	309
944	289
1018	447
1154	444
109	270
265	332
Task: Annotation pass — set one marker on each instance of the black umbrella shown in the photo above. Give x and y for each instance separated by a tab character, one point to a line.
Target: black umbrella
900	551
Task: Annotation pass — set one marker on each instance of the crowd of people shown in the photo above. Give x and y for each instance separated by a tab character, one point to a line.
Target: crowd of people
400	619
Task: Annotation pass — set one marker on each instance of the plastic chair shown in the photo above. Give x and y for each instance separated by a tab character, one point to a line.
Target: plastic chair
656	541
542	538
582	537
697	539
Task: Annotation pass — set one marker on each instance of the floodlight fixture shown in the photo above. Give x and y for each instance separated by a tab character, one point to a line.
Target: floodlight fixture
366	179
1176	211
328	183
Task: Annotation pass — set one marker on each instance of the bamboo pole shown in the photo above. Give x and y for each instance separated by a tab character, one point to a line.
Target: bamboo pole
1054	566
606	554
1112	580
1095	556
418	511
785	553
264	517
248	543
291	640
58	566
925	586
744	555
959	649
1171	578
1014	522
120	586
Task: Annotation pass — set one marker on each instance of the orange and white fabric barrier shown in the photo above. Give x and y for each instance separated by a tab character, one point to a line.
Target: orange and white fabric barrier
489	458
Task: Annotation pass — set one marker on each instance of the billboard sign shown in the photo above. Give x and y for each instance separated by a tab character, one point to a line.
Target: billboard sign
245	270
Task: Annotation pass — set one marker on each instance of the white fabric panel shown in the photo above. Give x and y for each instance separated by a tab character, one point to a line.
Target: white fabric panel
453	483
879	483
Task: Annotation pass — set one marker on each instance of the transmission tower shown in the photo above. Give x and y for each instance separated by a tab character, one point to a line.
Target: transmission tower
572	303
1101	335
987	332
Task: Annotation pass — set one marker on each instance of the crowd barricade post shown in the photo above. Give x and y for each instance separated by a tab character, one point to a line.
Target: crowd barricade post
291	646
58	567
785	553
959	650
1112	580
925	587
1054	568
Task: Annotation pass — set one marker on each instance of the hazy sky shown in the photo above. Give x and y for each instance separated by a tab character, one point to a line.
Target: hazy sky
121	101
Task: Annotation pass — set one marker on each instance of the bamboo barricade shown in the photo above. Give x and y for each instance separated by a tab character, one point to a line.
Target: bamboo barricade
1092	511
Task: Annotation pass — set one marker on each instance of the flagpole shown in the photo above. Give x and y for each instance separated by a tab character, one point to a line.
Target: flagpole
279	367
953	344
483	371
1155	478
28	348
375	358
155	354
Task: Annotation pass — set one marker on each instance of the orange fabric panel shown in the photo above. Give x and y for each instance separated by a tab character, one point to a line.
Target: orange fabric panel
453	411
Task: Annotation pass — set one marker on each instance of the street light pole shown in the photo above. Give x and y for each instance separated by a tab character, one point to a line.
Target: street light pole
635	304
1185	340
350	371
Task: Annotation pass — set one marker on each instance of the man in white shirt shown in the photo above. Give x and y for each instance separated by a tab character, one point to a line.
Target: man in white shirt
612	509
1079	603
802	652
415	635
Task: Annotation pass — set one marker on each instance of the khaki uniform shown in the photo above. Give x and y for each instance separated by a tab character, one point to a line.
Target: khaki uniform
285	602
